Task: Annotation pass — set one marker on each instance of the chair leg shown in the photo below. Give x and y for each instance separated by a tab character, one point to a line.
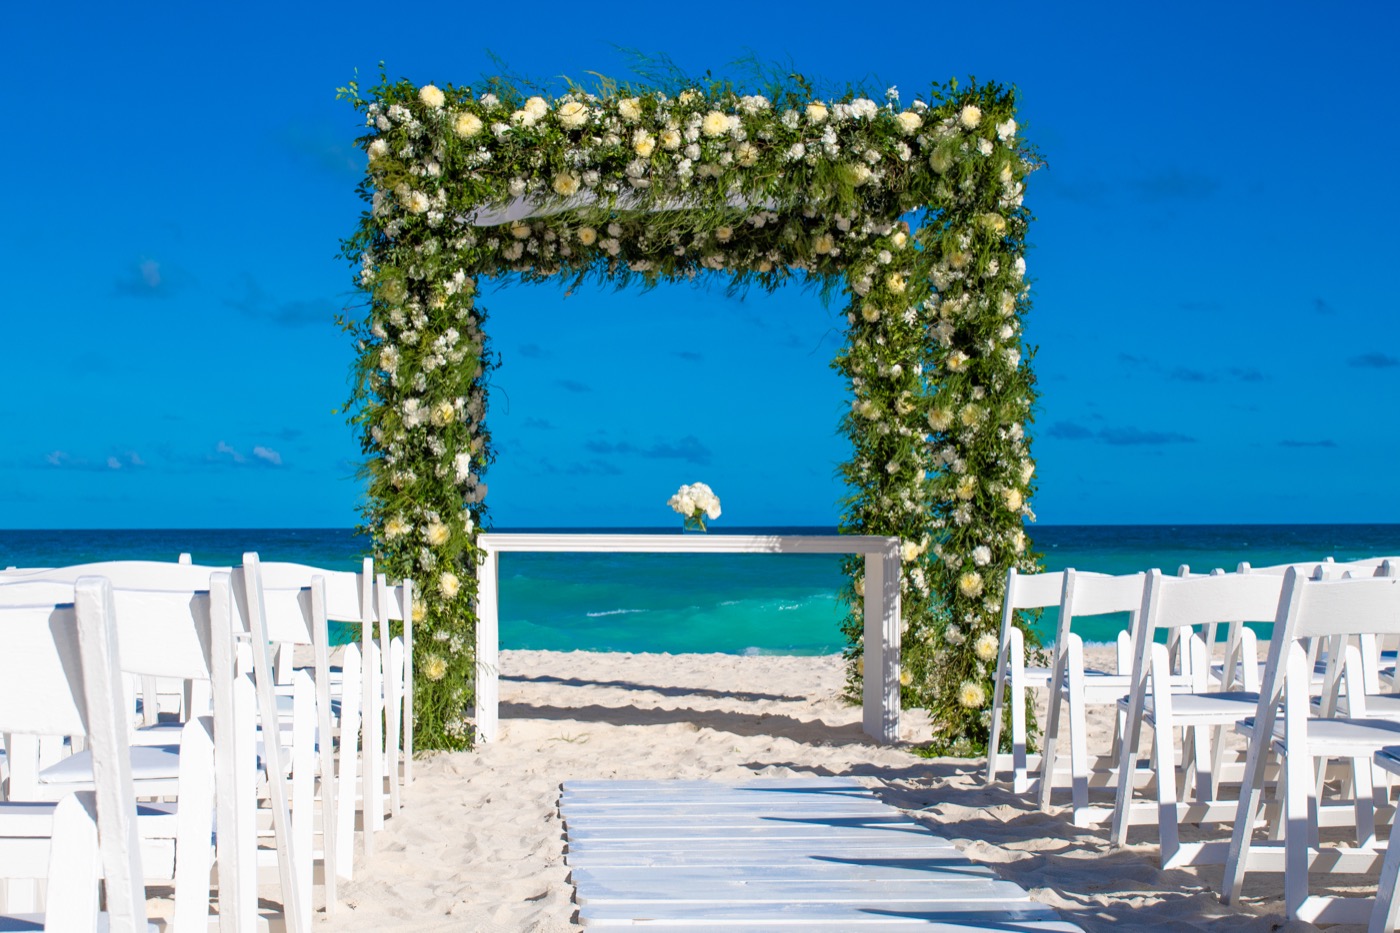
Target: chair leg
1078	734
1385	915
194	824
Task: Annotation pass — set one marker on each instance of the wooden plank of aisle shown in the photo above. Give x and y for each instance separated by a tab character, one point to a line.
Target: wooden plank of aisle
802	853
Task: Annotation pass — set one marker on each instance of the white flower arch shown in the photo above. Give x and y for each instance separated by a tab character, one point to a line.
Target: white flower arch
913	213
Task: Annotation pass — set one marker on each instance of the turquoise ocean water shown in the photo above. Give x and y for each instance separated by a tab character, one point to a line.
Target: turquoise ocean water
740	603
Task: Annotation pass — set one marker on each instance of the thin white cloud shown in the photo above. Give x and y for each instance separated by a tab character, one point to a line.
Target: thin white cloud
224	448
57	458
268	454
113	463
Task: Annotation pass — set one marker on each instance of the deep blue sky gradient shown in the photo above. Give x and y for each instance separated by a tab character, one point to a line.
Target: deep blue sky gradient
1213	258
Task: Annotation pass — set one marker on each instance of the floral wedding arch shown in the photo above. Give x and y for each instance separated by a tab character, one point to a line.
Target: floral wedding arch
698	180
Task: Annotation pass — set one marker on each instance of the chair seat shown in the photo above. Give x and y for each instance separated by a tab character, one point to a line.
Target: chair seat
23	923
1341	738
1213	708
148	763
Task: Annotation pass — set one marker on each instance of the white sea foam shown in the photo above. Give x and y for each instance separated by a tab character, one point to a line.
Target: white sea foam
614	612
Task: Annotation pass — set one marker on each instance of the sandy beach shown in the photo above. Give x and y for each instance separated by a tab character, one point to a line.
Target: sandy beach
479	845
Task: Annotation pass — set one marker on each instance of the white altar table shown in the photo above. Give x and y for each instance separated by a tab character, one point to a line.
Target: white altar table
880	717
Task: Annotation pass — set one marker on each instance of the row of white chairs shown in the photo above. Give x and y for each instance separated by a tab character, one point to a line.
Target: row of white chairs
280	764
1314	711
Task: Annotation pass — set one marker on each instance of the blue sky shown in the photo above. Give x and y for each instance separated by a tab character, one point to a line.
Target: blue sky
1218	334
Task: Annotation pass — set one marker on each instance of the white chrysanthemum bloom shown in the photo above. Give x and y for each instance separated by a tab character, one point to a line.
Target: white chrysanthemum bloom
971	695
909	550
970	584
816	112
466	125
389	360
587	236
870	312
895	282
970	116
940	161
940	419
448	584
572	115
432	96
378	149
868	409
909	122
723	234
966	488
523	118
746	154
643	143
957	360
630	109
863	108
858	172
823	244
900	239
395	528
981	555
986	646
1006	130
714	124
970	415
1027	471
671	139
566	183
520	230
462	465
436	534
536	107
434	667
1011	498
417	202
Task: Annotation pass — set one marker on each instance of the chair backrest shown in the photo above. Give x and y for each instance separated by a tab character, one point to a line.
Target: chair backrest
348	594
1171	602
59	675
1347	606
1033	590
132	574
1092	594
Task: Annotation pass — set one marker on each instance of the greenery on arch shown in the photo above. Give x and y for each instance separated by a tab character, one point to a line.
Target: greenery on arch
697	179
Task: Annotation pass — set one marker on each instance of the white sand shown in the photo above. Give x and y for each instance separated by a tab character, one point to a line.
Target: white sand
478	845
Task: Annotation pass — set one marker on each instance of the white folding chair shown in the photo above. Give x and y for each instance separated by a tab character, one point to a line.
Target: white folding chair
1074	688
59	675
169	630
1159	699
1313	609
1015	681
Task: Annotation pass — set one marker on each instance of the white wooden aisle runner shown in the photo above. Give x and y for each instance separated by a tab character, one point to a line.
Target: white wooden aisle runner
811	854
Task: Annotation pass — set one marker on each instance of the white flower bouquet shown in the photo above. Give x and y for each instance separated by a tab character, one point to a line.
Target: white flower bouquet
695	503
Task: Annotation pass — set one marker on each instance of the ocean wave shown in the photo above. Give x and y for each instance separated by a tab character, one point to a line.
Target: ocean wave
614	612
782	608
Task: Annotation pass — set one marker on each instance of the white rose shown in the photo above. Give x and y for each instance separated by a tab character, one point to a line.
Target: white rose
816	113
417	202
746	154
1006	130
536	107
566	183
437	534
448	584
378	149
909	122
432	96
824	244
467	125
630	109
671	140
572	115
714	124
643	143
